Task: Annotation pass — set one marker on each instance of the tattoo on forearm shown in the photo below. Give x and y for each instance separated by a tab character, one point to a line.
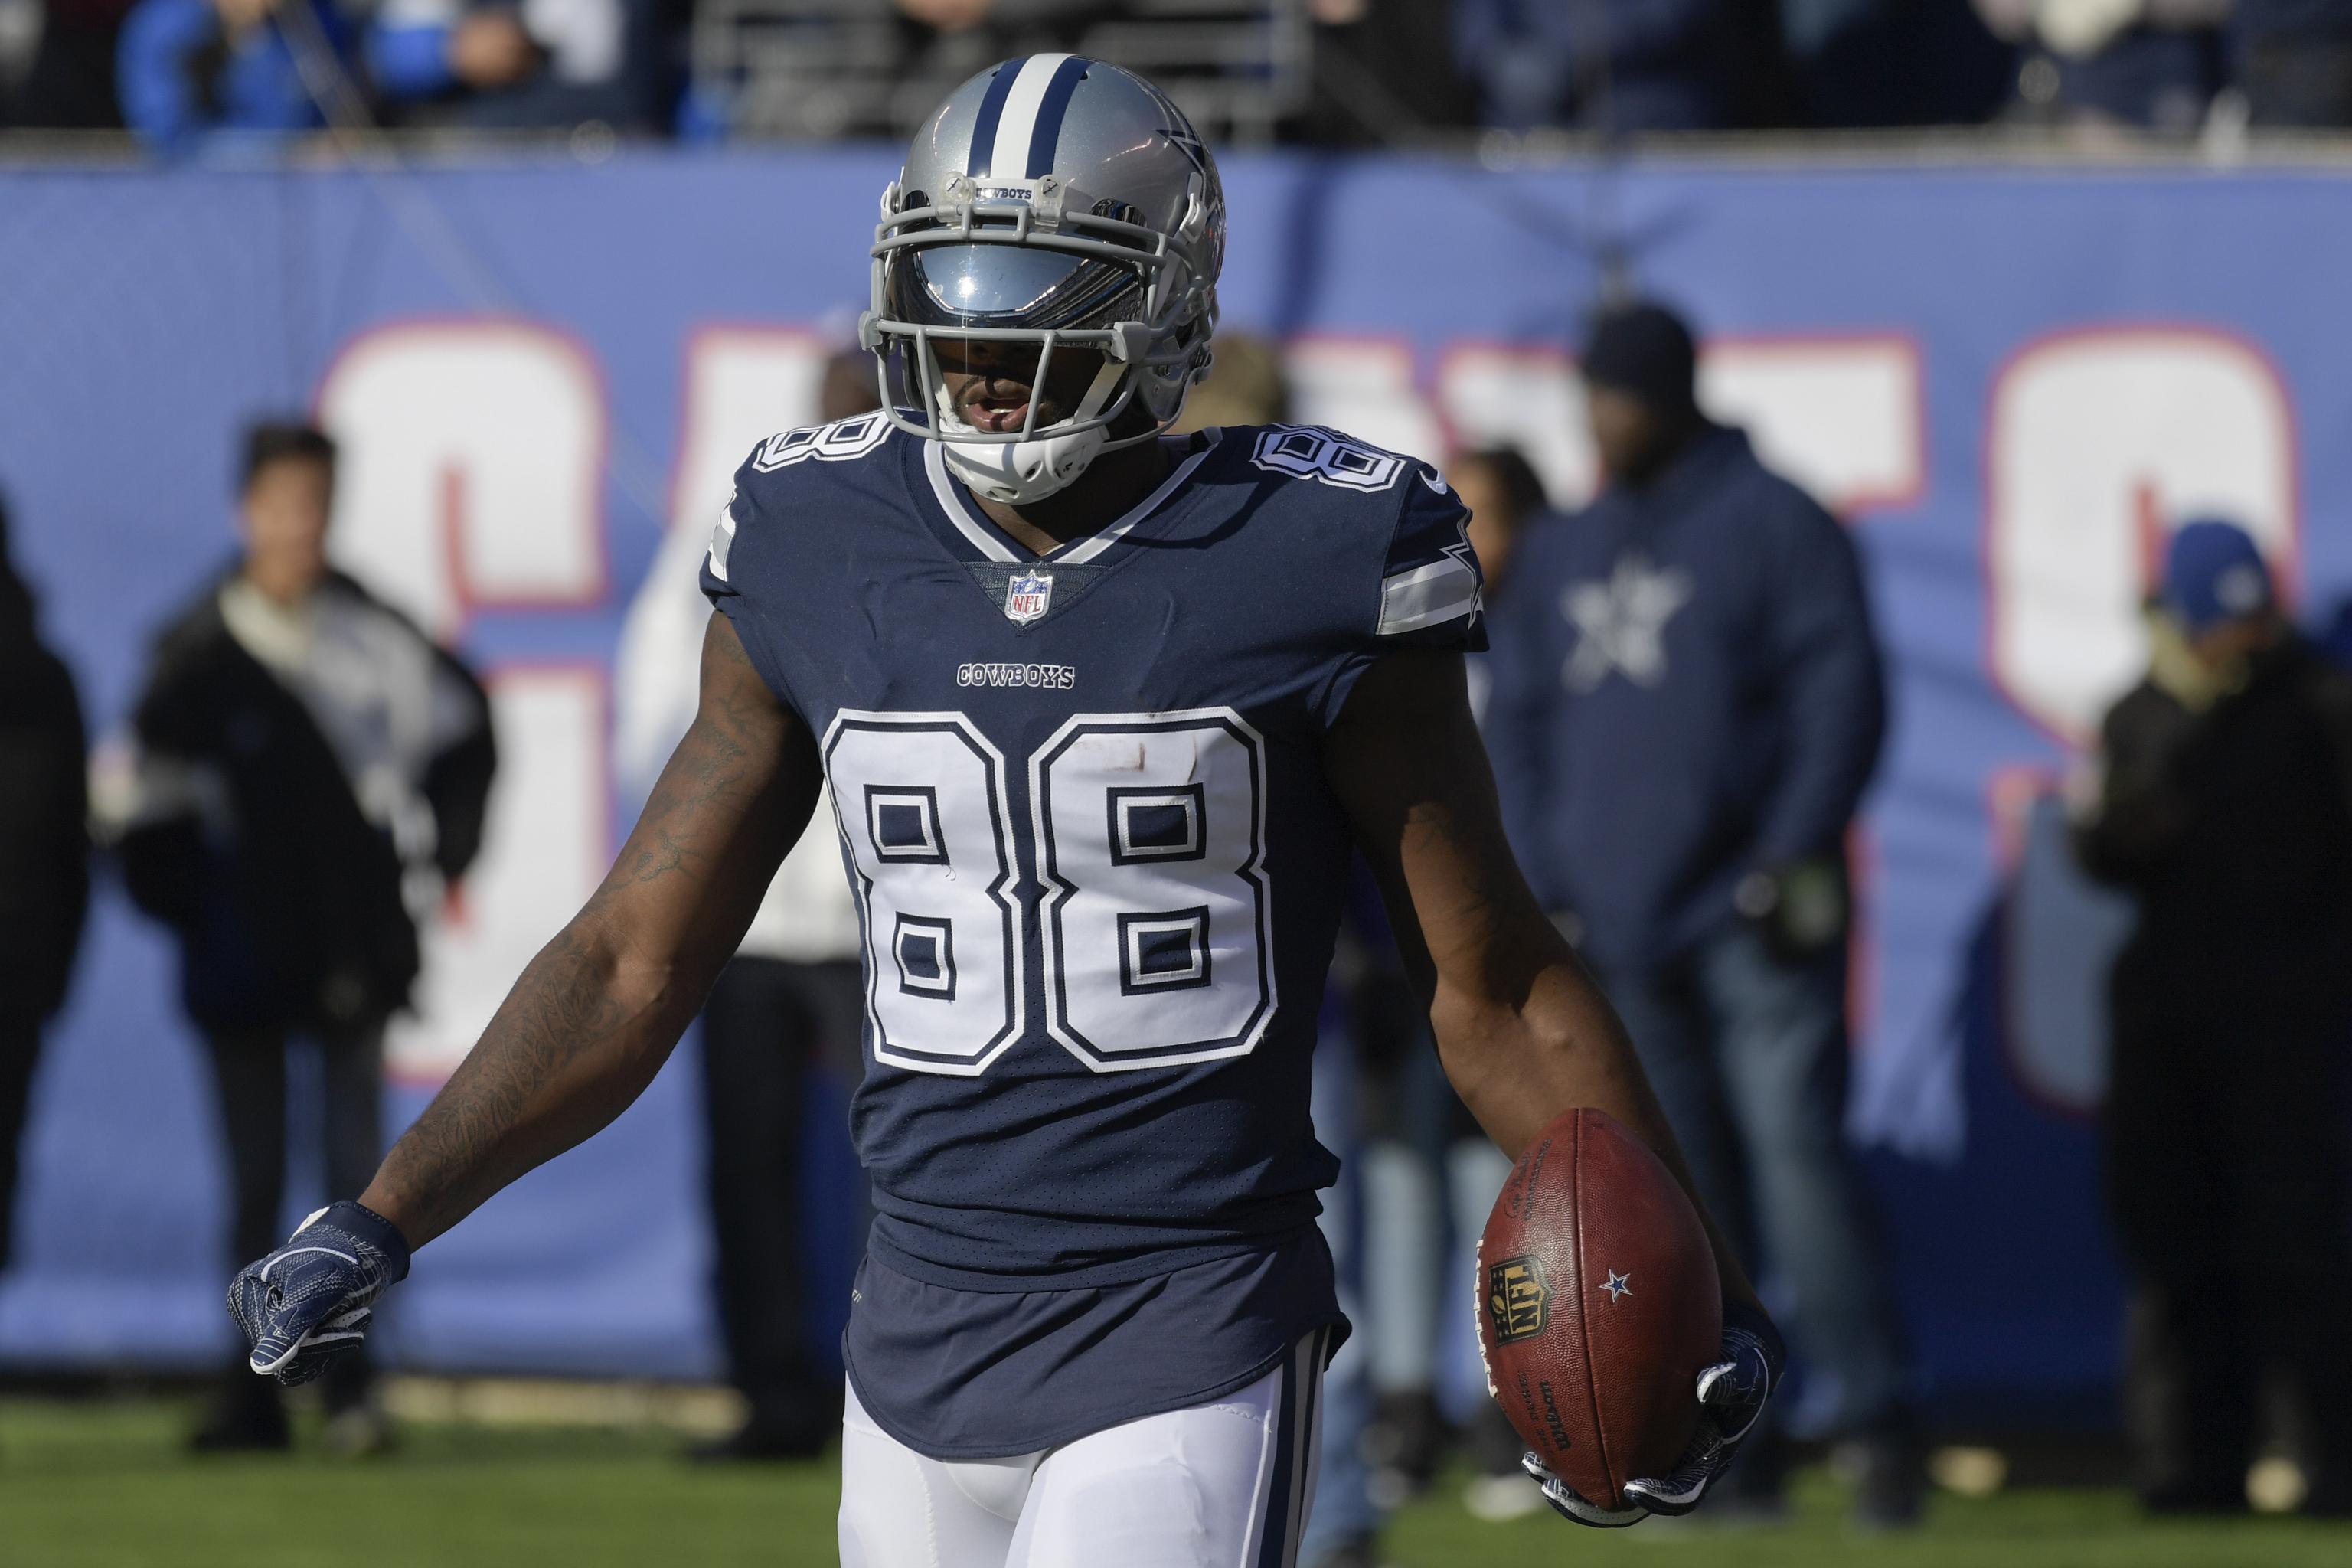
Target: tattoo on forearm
1491	882
707	773
560	1008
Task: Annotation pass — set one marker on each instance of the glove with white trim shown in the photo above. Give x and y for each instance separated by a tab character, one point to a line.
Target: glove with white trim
309	1301
1732	1394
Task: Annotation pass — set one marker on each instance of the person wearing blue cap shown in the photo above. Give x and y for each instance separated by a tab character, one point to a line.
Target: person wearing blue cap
2224	807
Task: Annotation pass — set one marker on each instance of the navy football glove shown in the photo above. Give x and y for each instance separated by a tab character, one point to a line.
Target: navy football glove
1731	1395
309	1301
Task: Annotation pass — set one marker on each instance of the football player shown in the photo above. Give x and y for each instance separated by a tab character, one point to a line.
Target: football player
1104	711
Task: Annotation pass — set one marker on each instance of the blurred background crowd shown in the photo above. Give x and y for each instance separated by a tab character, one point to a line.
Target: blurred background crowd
1319	72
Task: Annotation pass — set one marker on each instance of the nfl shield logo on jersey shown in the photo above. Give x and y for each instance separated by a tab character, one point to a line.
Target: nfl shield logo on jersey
1028	595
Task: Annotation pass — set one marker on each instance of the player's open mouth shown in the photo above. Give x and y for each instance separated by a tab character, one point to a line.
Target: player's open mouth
999	414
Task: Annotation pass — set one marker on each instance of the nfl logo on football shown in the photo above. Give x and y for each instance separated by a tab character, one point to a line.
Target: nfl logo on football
1027	596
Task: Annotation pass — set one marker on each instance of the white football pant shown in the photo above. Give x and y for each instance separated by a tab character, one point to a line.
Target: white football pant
1222	1485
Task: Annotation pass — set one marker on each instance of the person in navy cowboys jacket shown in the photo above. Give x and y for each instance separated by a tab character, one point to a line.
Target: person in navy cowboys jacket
1688	705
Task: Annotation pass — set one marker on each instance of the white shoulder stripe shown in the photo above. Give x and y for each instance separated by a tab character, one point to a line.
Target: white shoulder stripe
1427	596
1085	550
723	540
1009	159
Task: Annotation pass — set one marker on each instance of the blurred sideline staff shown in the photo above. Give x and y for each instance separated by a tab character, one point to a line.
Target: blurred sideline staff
312	773
2224	806
1688	704
789	1002
44	861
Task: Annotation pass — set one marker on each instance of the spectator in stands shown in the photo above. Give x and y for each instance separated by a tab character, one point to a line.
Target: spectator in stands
2149	64
1891	62
69	83
1381	73
2293	61
189	68
44	872
953	16
1608	64
942	42
550	63
2224	806
312	770
1688	705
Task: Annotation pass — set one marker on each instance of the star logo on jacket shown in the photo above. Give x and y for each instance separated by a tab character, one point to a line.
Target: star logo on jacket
1619	1286
1028	597
1620	624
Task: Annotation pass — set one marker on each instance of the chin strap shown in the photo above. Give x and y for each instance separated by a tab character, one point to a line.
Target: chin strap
1015	473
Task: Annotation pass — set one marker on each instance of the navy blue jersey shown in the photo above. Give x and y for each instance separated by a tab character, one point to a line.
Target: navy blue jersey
1097	863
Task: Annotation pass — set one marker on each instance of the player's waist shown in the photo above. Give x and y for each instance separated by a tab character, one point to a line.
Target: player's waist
965	1374
948	1249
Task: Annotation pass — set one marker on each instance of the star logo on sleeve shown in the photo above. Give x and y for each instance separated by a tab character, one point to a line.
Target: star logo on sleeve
1619	1286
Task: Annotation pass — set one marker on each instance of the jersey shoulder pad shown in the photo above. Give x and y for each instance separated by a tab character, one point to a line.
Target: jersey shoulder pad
1432	590
813	446
795	465
1386	502
1318	454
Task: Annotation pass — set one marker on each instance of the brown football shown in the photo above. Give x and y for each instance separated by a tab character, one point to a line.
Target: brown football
1599	1306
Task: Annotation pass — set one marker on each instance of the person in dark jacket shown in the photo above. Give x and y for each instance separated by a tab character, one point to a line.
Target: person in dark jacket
2224	806
313	770
44	867
1686	707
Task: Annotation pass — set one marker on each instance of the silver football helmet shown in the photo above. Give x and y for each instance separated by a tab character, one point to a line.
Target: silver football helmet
1058	202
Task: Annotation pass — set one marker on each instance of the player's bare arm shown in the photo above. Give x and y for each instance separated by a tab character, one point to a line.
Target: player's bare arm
595	1015
1523	1031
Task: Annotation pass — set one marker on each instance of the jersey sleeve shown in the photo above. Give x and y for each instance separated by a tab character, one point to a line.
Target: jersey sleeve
729	566
717	585
1429	593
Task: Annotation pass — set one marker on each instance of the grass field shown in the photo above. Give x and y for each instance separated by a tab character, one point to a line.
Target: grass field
107	1485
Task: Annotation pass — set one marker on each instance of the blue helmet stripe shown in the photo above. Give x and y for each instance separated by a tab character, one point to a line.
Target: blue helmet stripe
1050	109
991	109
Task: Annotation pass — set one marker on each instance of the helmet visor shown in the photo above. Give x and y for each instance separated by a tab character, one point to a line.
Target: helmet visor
1009	286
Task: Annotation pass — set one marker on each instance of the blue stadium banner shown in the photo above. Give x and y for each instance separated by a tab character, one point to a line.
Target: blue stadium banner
2007	380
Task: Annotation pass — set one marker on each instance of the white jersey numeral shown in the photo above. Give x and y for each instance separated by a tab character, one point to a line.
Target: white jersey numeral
1311	452
1149	838
920	799
1150	834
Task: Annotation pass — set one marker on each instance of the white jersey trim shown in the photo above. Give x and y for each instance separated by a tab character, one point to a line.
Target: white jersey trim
723	540
957	502
1427	596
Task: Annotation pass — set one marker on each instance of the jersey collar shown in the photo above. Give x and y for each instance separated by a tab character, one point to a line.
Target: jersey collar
977	531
